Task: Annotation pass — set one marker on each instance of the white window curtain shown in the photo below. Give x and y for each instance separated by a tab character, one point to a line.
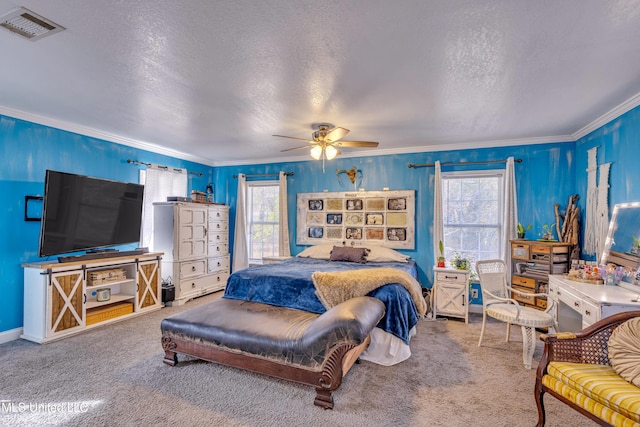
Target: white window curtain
283	238
438	223
510	214
240	238
159	183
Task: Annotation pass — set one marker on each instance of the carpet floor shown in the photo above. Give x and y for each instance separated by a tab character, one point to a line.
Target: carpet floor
113	375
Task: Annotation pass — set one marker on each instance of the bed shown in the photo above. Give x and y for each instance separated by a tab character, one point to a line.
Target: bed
290	284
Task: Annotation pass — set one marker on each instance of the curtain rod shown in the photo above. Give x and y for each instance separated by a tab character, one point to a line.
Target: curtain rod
266	174
425	165
135	162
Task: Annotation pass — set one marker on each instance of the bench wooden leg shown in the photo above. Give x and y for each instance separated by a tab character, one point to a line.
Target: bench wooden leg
323	399
170	356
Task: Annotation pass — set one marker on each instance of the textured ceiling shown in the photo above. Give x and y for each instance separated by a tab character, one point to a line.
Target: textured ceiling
213	80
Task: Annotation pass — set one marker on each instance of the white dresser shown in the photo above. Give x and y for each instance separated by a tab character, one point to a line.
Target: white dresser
195	238
451	293
579	304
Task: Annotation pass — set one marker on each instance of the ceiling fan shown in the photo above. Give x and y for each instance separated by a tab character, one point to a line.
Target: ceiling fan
325	142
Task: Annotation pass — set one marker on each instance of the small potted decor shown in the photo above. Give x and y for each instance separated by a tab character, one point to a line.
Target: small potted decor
635	248
547	232
522	230
441	259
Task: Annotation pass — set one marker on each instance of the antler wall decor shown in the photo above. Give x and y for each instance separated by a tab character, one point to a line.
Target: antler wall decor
352	173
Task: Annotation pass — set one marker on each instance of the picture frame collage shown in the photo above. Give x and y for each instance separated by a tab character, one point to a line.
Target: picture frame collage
383	218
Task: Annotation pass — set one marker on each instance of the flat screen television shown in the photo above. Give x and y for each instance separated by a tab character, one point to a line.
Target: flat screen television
81	213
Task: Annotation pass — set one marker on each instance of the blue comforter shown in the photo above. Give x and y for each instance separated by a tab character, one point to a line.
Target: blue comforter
289	284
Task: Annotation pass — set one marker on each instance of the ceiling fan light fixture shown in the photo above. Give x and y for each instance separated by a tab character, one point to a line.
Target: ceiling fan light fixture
316	152
331	152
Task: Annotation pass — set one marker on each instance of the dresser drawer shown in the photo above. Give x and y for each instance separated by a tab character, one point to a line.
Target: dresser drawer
442	276
519	251
196	284
215	237
523	281
218	264
524	297
590	313
216	249
215	226
192	268
573	301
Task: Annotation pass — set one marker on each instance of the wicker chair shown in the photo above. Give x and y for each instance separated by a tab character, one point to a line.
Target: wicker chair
604	399
497	303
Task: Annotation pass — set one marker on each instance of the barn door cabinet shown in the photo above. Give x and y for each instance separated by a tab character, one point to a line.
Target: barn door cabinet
451	293
62	299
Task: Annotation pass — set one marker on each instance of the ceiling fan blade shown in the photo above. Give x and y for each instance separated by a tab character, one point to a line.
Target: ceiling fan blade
335	134
293	137
297	148
356	144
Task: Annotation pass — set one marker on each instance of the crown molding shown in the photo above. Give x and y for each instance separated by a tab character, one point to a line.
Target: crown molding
610	115
94	133
409	150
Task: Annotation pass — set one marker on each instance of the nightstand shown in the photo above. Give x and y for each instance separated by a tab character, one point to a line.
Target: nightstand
451	293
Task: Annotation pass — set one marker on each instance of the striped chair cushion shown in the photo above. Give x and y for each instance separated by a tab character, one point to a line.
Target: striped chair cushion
601	388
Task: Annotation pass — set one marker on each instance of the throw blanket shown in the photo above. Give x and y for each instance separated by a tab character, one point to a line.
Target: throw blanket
332	288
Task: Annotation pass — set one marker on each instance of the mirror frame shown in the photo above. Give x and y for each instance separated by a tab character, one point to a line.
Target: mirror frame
622	259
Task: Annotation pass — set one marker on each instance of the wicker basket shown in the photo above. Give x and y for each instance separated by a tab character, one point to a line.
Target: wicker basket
100	277
111	311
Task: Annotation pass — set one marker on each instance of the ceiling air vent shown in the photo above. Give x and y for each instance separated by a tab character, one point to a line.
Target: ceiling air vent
29	25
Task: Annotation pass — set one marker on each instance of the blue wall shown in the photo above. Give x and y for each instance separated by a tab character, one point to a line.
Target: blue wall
618	142
549	174
545	176
27	150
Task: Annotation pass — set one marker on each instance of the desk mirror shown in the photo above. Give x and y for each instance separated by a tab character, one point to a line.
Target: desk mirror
622	246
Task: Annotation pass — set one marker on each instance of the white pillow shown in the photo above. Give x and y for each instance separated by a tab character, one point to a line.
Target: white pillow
624	350
381	254
318	251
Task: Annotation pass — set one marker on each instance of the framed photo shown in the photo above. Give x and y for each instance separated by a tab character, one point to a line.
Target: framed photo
316	204
316	232
353	233
396	234
374	219
354	204
334	219
397	204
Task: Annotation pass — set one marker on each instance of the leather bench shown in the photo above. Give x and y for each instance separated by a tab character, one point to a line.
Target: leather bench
295	345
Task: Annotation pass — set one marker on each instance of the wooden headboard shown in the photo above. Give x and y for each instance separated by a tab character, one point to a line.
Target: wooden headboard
383	218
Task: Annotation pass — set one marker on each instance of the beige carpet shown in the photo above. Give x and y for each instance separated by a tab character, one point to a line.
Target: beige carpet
114	376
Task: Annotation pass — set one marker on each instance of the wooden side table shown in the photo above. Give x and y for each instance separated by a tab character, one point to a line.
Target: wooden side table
451	293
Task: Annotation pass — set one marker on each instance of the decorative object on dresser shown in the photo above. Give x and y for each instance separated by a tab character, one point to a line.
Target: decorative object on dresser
531	264
62	299
497	302
451	292
194	237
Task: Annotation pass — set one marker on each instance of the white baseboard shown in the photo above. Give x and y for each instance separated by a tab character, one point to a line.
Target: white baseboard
475	308
11	335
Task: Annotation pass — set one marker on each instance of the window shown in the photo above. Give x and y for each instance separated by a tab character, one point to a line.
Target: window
263	219
472	204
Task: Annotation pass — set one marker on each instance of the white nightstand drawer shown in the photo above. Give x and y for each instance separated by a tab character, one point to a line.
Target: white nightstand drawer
444	276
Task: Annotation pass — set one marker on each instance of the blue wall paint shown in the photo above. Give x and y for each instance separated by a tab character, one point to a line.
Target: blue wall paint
545	176
27	150
618	142
549	174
